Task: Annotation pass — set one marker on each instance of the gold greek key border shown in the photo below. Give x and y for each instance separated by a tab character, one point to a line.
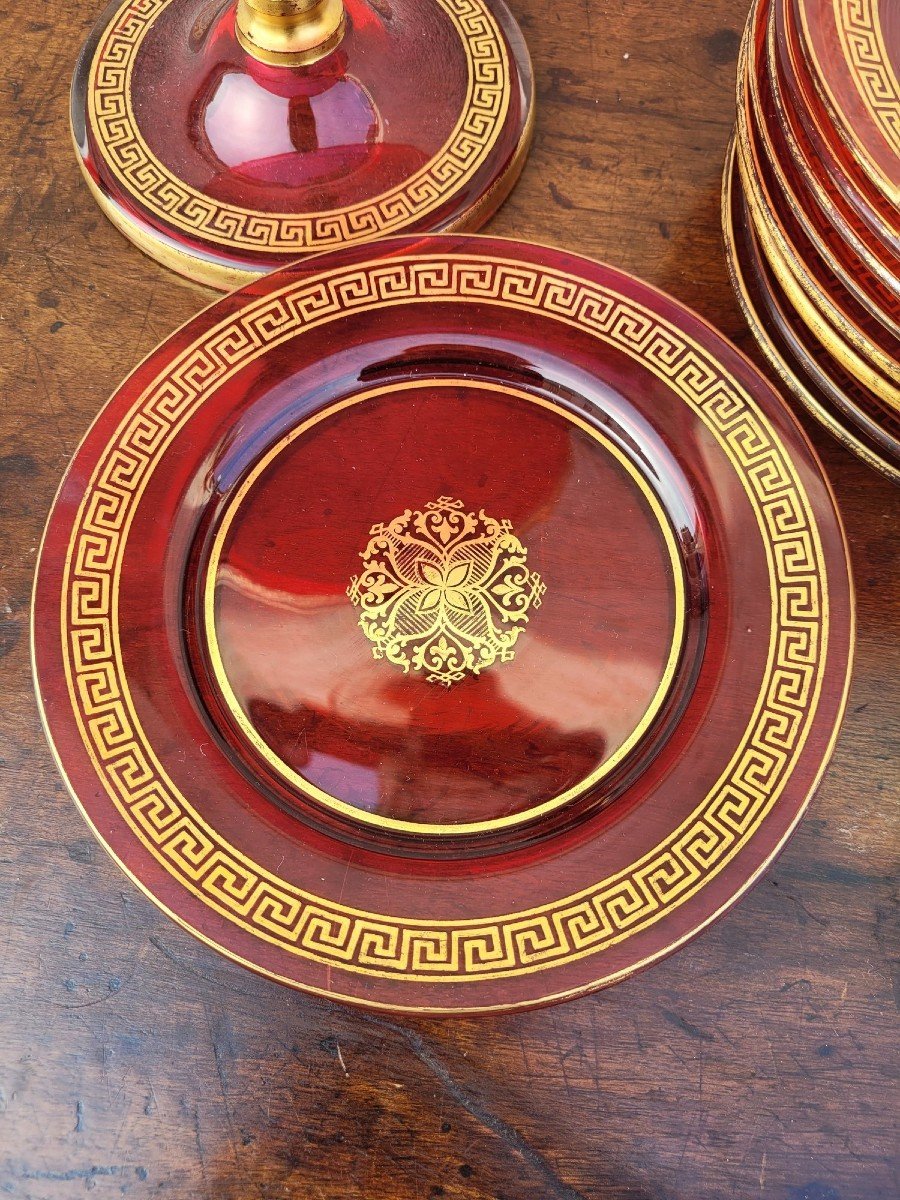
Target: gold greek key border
334	802
859	28
127	155
382	944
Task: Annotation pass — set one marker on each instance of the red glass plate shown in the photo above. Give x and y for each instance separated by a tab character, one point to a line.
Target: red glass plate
838	160
831	312
859	262
836	316
455	629
856	417
879	253
224	167
852	48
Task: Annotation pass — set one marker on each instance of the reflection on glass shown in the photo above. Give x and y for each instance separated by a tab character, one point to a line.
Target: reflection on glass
287	140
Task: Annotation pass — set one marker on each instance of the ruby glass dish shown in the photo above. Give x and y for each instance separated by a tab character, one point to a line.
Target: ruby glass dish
858	262
458	628
809	211
839	318
826	203
852	50
839	154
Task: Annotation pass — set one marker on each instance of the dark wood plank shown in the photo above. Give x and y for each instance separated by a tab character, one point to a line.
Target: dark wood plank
756	1062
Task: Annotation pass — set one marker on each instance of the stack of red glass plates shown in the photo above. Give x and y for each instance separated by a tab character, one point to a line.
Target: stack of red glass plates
810	209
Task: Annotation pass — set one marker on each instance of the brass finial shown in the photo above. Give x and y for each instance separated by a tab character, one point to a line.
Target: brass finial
289	33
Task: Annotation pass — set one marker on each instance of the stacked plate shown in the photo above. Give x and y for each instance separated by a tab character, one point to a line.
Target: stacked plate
810	210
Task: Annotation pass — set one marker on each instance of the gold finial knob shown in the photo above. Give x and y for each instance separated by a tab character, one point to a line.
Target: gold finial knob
289	33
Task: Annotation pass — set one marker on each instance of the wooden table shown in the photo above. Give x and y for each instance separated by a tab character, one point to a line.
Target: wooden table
135	1062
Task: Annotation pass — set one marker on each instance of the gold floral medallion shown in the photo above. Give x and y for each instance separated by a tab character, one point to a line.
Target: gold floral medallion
445	591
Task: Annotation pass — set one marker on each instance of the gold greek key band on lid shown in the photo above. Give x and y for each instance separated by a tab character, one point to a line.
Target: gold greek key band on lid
176	203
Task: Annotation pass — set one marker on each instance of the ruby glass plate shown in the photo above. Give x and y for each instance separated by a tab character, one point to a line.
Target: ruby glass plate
840	320
858	261
852	48
855	416
840	157
810	165
461	628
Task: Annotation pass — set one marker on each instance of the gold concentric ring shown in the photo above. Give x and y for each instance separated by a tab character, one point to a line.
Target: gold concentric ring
378	820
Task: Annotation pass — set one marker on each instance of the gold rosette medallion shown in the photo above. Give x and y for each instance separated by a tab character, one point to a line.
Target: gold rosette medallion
445	591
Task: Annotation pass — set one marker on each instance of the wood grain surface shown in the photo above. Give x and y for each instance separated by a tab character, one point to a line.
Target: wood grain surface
757	1062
